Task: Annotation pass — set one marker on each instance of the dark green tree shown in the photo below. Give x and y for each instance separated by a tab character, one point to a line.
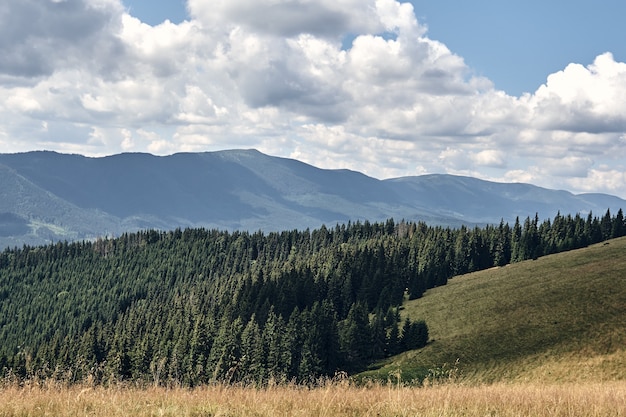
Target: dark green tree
355	335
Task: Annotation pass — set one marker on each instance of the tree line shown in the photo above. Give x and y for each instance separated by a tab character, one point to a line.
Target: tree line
194	306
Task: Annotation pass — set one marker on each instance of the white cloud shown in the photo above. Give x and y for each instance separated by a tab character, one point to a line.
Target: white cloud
583	99
604	178
392	102
528	175
289	18
38	38
568	167
490	158
455	159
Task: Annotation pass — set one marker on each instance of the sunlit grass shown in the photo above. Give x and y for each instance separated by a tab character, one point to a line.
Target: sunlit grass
560	318
334	399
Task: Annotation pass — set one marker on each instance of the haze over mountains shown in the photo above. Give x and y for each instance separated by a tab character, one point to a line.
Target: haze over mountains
47	196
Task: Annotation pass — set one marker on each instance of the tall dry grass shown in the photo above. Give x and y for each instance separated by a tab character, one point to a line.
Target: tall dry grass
333	399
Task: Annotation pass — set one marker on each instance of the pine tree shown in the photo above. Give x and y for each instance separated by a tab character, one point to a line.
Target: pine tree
517	252
277	352
355	335
414	335
252	364
606	225
619	226
294	341
378	332
326	335
393	340
225	354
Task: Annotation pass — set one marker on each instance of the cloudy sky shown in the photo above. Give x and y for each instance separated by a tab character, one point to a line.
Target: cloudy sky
530	91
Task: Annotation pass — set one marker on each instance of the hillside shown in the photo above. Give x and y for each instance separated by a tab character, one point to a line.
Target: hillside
196	306
558	318
48	197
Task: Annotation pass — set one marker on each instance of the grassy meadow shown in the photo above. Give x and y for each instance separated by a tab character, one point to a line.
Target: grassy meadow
560	318
537	338
334	399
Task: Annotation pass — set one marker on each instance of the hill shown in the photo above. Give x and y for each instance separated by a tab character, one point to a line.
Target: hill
558	318
196	306
49	197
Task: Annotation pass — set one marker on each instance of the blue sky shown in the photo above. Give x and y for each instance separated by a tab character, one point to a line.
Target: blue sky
505	91
517	44
155	12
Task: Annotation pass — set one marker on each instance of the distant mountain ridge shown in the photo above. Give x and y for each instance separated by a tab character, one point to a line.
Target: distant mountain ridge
48	196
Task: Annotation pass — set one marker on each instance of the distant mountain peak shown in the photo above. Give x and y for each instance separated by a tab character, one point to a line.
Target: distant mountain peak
68	196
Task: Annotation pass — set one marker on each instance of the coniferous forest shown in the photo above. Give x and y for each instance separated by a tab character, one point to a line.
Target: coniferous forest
195	306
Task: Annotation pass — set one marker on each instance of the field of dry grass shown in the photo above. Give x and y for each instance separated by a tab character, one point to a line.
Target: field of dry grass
336	399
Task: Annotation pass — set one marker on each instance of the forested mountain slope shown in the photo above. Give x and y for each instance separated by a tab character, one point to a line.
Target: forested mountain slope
192	306
48	197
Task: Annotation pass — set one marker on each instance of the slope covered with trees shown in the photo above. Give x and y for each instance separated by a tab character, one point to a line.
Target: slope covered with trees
193	306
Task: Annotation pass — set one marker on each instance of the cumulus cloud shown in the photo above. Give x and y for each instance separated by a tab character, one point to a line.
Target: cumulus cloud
290	18
38	38
583	99
603	178
337	83
490	158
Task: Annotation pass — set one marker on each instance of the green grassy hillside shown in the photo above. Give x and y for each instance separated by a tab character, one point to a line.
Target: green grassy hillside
558	318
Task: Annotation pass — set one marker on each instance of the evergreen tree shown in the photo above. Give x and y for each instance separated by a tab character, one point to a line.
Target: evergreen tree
277	348
414	335
355	335
225	354
619	225
517	251
252	363
606	226
378	332
393	340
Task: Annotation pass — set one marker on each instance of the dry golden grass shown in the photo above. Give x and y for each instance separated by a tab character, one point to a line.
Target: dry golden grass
336	399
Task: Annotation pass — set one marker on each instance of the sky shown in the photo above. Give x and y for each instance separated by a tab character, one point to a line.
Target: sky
505	91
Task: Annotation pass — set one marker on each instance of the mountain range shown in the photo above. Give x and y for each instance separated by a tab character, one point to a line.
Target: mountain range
47	196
